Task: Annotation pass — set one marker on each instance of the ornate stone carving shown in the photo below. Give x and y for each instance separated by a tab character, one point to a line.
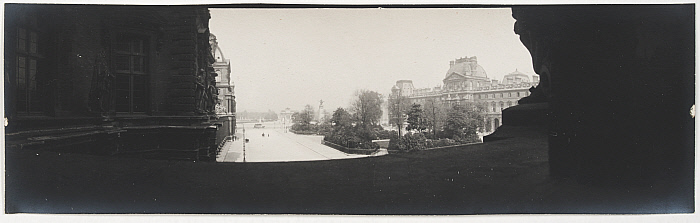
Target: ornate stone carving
206	93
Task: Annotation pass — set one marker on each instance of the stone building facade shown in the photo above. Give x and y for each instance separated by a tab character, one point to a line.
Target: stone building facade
467	81
226	100
121	80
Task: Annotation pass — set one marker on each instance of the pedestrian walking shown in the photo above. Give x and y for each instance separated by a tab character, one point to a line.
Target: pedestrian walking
263	135
268	134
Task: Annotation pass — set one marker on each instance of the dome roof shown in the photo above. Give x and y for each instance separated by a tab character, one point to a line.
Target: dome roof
515	77
517	73
467	67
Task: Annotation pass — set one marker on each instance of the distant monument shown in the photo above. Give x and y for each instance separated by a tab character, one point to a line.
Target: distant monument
320	115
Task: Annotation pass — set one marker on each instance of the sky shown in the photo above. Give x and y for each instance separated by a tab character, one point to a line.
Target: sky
288	58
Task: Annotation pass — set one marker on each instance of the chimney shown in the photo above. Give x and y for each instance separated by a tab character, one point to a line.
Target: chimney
536	79
452	63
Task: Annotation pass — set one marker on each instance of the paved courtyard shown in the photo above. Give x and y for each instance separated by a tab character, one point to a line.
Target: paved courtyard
277	146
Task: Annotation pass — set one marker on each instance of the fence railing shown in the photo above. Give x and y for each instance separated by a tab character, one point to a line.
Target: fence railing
349	150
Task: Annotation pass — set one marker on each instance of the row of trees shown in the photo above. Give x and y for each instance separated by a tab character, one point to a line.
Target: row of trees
434	124
356	125
269	115
430	124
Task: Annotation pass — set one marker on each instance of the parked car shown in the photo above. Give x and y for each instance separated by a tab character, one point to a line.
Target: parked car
259	126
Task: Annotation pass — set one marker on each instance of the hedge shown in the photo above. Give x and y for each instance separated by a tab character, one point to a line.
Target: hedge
351	150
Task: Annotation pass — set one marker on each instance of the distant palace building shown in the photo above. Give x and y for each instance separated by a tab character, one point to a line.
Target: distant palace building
467	81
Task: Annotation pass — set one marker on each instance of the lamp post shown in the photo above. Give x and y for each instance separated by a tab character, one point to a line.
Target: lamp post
245	140
230	127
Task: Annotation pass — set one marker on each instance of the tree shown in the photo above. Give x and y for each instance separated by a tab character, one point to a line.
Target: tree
368	107
367	110
416	118
341	119
302	120
435	115
270	115
398	105
463	121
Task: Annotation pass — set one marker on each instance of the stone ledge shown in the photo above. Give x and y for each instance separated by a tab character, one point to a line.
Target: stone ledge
527	115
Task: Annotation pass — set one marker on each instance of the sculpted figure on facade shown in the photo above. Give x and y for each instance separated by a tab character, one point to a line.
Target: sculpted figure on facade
200	93
541	61
211	97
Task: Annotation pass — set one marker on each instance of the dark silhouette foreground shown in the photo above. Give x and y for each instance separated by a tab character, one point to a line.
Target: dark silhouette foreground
504	176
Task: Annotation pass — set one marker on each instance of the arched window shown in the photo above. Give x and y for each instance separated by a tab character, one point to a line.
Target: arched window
500	105
493	106
510	103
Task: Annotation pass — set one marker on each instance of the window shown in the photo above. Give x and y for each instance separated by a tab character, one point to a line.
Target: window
130	59
493	106
28	60
500	105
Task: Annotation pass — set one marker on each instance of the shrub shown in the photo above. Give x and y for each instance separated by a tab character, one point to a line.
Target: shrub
303	127
441	142
463	139
387	134
409	142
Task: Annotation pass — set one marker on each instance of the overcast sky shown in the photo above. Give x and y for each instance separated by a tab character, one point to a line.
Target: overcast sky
292	57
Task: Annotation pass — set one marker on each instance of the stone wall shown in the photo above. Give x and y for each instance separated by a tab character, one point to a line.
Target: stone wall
619	81
77	83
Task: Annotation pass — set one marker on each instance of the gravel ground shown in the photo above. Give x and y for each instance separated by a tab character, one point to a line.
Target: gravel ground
506	176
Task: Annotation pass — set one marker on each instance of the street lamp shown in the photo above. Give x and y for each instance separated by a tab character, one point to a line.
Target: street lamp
245	140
